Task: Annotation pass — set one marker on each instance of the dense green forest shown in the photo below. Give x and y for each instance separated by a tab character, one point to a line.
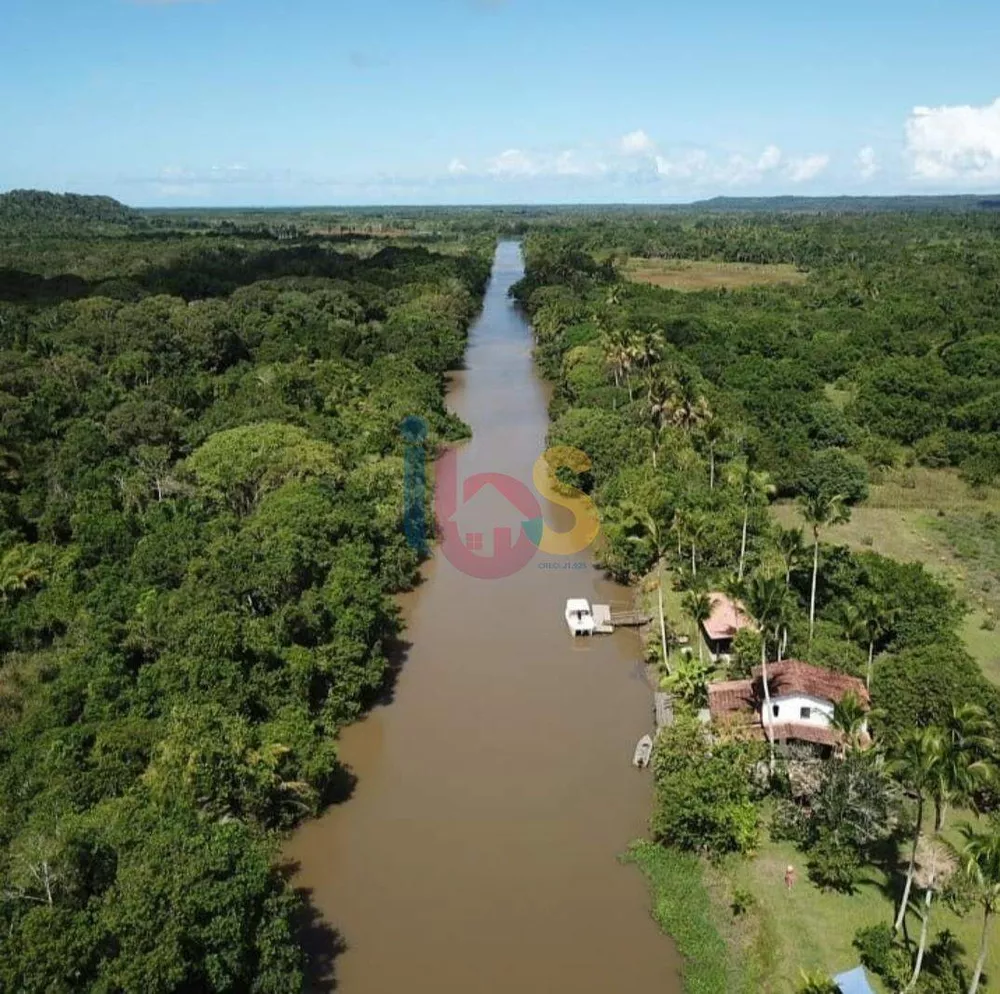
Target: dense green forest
700	410
200	530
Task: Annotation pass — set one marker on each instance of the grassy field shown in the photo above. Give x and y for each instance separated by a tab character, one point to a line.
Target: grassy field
806	928
690	275
930	516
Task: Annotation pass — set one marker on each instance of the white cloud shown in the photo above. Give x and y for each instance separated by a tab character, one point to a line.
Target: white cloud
513	162
737	169
960	142
769	159
457	167
806	168
637	143
867	162
688	165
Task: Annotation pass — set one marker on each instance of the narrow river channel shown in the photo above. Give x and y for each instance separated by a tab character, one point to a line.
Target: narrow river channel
478	852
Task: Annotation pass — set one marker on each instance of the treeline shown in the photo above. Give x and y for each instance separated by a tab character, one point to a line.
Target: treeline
889	352
34	207
200	526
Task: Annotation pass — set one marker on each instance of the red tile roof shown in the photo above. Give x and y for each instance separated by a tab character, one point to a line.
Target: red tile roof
737	702
795	677
731	697
728	617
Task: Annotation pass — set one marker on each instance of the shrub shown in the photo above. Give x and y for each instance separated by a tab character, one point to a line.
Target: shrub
789	823
834	471
834	866
882	954
742	902
704	799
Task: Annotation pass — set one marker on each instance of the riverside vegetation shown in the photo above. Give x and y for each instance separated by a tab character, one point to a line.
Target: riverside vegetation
200	526
700	411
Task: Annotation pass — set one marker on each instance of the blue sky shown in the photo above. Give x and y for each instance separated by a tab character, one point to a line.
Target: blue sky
238	102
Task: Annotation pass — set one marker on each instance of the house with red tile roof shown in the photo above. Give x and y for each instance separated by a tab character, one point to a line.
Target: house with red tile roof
727	618
802	703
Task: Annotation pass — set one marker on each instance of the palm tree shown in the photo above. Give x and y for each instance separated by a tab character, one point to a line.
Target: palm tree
688	409
766	601
849	718
915	764
851	622
754	489
713	433
792	550
659	390
694	525
689	681
966	761
877	616
698	606
619	347
935	866
649	345
655	533
981	864
820	510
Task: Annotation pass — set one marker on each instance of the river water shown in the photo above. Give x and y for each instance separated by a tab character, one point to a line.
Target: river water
478	852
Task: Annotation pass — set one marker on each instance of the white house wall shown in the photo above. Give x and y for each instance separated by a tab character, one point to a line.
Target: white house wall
790	709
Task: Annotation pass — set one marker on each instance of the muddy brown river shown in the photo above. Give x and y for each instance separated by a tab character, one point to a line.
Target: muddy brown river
478	851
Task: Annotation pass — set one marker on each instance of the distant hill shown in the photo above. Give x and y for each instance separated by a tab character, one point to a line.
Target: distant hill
61	209
849	205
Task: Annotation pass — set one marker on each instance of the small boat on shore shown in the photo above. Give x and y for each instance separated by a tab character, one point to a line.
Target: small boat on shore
643	752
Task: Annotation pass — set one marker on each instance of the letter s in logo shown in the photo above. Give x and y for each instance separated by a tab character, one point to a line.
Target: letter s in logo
586	523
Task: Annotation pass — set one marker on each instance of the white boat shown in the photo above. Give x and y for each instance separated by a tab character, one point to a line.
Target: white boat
579	617
643	751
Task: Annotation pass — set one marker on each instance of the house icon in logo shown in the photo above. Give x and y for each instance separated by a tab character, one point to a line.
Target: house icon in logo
487	524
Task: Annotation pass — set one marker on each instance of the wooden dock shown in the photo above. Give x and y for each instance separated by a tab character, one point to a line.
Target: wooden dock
629	619
606	620
663	705
603	624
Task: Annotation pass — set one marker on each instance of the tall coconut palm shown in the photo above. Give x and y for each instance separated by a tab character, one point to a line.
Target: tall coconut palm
650	346
819	511
754	488
659	391
792	549
966	762
713	434
688	409
981	864
877	616
620	352
656	534
915	763
935	866
766	601
695	526
698	606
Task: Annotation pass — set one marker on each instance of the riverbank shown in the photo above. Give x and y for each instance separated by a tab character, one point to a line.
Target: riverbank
480	845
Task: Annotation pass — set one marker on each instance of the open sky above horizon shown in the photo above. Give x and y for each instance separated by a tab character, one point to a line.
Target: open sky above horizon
254	102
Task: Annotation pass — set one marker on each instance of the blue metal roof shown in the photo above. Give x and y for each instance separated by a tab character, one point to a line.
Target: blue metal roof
854	982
